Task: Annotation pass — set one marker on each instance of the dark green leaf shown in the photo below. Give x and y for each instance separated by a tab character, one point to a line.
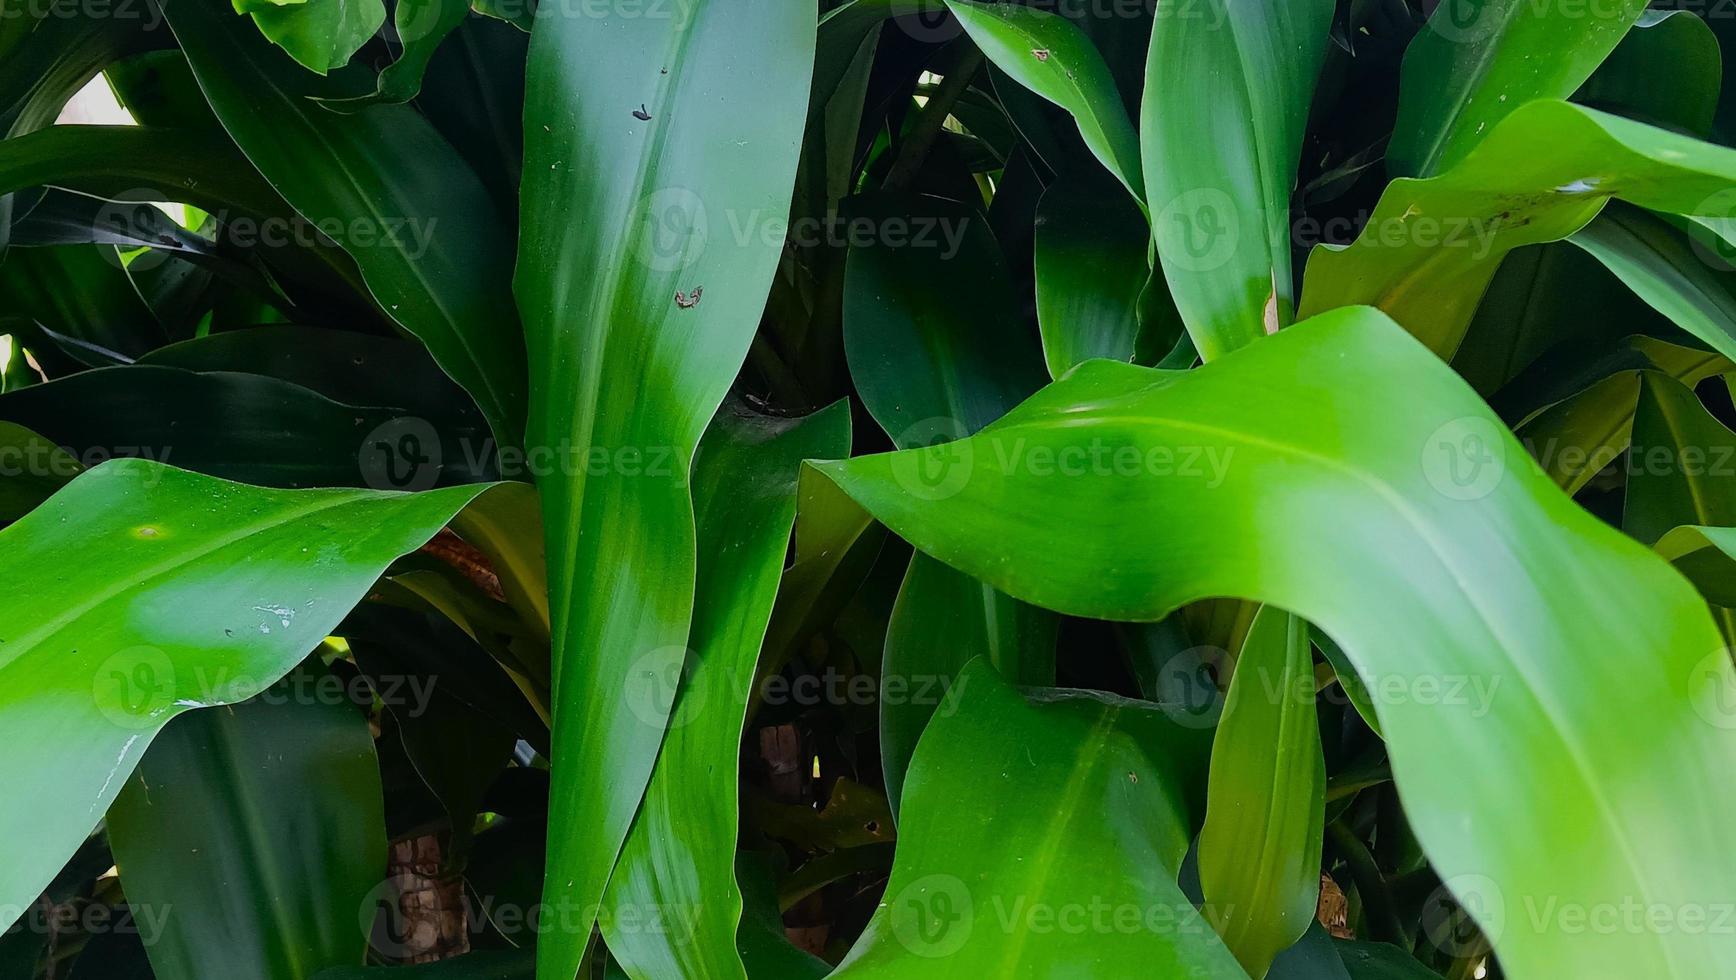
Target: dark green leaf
258	833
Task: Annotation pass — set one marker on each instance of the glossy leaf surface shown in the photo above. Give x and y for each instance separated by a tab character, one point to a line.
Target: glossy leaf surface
1413	497
431	247
1431	247
1227	92
640	300
1113	824
261	828
191	592
1479	61
1052	57
1259	852
680	854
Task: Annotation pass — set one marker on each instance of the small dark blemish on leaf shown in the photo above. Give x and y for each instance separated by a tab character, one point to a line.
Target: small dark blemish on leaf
640	113
689	302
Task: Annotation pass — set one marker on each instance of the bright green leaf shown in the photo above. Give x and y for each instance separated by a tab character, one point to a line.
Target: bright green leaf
680	854
1259	852
1228	89
1057	810
1052	57
1479	61
1343	444
1431	247
188	592
640	297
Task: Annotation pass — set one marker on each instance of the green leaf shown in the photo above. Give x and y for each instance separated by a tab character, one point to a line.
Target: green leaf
680	854
1546	298
1311	958
1030	829
81	294
765	949
188	592
320	34
1682	477
1091	268
239	426
942	620
1431	247
1227	93
843	31
1681	466
136	163
935	362
279	799
1670	272
640	296
1707	556
421	26
432	248
1667	71
1459	567
1259	852
1052	57
1479	61
158	90
68	47
31	470
932	332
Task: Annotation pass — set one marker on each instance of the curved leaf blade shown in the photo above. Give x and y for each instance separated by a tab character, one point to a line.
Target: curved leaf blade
640	299
280	800
680	854
1479	61
934	362
1051	56
1091	268
1676	45
1259	852
190	592
1339	482
1432	246
969	880
418	222
1227	93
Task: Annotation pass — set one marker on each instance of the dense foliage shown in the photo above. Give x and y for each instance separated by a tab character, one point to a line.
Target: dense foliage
897	488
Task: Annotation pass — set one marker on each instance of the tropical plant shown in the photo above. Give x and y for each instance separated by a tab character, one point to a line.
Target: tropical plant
886	488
